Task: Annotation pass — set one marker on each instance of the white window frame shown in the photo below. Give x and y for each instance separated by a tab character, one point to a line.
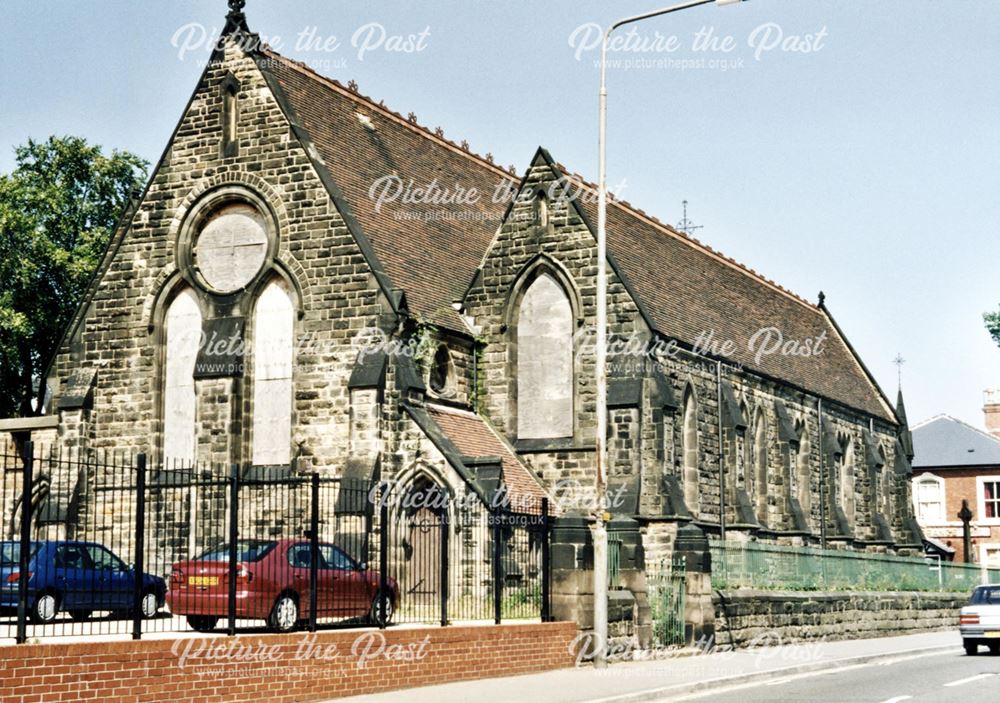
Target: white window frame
981	482
917	480
984	549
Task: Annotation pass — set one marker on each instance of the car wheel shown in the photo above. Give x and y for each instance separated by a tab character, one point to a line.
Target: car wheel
45	608
80	615
285	614
971	648
202	623
375	615
149	604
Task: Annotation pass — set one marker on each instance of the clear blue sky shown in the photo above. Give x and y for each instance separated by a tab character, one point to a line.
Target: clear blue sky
867	167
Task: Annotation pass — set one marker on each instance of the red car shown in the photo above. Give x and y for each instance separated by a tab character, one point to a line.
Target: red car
272	584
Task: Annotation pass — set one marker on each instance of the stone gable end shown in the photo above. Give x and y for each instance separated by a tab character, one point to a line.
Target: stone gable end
119	331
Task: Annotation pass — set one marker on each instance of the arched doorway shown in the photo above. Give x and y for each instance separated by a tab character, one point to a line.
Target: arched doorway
422	521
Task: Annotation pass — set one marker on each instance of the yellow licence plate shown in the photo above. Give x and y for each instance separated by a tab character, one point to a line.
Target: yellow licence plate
214	581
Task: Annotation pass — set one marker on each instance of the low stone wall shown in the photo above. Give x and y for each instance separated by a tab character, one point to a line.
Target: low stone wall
278	668
746	618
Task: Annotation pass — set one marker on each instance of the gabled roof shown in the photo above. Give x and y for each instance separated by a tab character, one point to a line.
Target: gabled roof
465	437
474	437
944	441
690	290
432	250
428	249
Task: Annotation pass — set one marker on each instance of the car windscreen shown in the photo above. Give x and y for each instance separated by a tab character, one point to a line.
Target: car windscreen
10	553
986	596
246	550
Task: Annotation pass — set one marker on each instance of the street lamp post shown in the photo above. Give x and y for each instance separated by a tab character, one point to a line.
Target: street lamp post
600	529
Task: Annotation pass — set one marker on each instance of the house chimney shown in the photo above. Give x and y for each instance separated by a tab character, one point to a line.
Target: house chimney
991	410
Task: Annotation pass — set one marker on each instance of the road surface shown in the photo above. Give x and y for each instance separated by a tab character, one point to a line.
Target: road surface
938	678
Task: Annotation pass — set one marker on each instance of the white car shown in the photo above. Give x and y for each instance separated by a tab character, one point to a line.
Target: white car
979	621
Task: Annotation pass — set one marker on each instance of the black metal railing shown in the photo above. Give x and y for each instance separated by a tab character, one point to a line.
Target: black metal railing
102	544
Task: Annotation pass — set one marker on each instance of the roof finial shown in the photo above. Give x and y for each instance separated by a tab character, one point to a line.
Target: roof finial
822	298
236	20
685	225
899	361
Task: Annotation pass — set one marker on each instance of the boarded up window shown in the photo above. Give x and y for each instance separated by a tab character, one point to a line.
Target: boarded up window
231	248
689	440
760	467
183	324
847	488
272	396
884	487
803	474
544	362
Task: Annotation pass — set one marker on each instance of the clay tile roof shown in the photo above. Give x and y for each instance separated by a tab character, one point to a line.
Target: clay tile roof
689	290
432	251
474	437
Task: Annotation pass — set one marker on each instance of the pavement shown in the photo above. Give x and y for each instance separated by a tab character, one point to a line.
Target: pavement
699	674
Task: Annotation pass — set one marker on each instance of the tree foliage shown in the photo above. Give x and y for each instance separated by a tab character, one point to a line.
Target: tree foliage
58	209
992	321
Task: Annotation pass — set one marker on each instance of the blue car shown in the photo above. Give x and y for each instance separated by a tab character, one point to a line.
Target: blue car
74	577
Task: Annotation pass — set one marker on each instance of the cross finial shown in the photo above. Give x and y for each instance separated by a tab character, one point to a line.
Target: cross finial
236	20
899	361
685	225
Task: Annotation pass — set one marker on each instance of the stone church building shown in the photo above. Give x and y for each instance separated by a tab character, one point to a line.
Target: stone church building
306	284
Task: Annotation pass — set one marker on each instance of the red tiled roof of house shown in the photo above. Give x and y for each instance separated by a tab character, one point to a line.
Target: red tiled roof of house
686	288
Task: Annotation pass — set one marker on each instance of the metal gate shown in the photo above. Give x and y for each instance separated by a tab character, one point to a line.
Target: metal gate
135	549
667	590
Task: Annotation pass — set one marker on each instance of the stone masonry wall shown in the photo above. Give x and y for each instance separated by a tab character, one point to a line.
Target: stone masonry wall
649	441
566	241
121	330
760	618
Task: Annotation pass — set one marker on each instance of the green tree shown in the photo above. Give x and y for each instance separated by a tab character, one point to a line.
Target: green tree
58	209
992	320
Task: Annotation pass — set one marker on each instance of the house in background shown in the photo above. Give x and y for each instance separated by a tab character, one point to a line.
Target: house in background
954	460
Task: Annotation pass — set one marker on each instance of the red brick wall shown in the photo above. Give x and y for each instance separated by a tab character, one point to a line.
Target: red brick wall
959	484
278	668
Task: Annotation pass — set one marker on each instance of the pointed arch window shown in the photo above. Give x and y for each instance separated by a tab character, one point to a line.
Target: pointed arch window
689	451
847	482
183	337
230	116
802	475
441	373
882	503
744	450
544	361
760	477
273	349
541	209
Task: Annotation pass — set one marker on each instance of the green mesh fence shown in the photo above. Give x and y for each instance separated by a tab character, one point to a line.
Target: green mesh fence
776	567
